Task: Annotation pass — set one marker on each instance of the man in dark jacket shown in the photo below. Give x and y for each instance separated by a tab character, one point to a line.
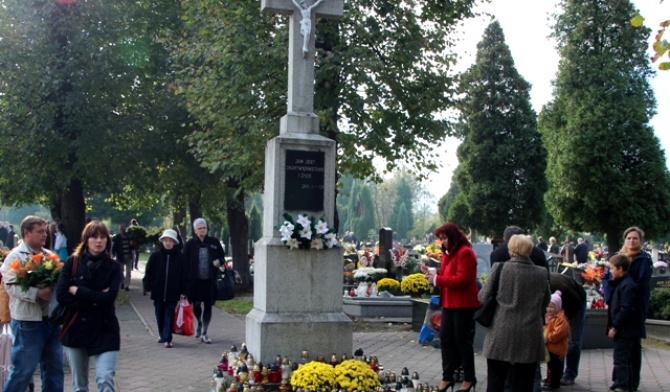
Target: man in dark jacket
501	253
3	234
11	235
581	251
574	306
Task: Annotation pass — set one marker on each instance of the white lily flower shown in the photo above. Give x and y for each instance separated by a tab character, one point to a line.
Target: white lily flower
317	243
303	221
293	243
306	232
321	227
286	229
331	239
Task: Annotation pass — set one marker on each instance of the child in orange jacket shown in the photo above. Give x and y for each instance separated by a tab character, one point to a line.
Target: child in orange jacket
556	334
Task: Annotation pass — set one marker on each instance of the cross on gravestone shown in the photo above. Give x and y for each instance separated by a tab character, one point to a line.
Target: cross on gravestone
301	52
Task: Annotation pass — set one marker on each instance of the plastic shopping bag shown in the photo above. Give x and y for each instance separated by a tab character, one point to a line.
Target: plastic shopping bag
5	353
430	330
183	319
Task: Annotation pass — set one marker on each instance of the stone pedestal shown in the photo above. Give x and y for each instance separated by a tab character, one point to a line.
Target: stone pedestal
297	292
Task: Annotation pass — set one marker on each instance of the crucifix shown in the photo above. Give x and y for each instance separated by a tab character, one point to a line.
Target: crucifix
300	117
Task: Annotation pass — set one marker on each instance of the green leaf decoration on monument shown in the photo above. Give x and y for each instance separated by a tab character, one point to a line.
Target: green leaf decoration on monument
306	232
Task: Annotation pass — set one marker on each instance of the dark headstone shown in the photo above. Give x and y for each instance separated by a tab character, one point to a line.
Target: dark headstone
304	180
385	246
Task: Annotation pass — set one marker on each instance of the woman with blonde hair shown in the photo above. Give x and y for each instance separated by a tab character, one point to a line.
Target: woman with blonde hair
514	343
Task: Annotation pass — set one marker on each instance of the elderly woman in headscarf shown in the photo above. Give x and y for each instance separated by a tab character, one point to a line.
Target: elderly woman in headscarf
204	256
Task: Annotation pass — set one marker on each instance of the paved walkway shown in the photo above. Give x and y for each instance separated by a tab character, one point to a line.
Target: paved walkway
145	365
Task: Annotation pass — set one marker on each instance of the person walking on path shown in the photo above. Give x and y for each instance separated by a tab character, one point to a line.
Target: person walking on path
35	337
166	281
204	256
91	328
61	242
123	253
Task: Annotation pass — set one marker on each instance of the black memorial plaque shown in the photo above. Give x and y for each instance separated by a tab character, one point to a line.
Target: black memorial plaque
304	180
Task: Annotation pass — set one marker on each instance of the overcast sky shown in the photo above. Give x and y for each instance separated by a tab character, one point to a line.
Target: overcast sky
526	28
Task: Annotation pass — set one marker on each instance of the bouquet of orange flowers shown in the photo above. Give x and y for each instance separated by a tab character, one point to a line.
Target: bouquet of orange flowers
40	270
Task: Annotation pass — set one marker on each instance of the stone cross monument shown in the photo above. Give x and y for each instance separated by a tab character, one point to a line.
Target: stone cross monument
298	293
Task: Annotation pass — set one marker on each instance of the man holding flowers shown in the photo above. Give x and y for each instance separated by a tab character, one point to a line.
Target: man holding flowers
35	337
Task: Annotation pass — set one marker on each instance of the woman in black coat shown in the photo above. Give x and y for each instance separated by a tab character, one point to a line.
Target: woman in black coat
91	328
204	256
165	279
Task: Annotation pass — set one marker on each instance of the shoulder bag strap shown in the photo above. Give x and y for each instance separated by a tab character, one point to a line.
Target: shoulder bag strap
70	318
497	281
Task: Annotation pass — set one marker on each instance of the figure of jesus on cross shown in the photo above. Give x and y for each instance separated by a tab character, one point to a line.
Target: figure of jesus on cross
305	23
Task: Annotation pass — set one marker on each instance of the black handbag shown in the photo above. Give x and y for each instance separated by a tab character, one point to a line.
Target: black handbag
225	285
484	315
58	312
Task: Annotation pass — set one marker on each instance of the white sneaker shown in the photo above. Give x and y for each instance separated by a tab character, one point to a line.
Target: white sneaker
206	339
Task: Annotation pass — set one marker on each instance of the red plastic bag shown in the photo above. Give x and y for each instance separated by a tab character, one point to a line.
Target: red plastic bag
183	319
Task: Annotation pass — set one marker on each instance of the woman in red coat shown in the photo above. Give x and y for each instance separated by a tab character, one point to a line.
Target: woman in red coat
457	281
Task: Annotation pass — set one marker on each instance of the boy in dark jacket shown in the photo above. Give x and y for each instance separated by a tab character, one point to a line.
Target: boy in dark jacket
166	280
625	320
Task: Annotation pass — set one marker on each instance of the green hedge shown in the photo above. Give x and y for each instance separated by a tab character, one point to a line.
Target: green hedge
659	304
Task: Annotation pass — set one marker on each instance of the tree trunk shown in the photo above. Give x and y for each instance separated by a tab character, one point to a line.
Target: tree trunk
239	228
194	210
178	219
73	213
613	244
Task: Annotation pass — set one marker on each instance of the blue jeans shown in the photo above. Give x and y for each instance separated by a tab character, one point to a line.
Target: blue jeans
164	319
36	342
575	344
105	369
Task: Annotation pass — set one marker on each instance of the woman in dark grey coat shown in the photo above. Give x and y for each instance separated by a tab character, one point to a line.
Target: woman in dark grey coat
166	280
514	343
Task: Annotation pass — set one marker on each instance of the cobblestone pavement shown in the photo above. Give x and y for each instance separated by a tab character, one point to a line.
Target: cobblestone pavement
144	365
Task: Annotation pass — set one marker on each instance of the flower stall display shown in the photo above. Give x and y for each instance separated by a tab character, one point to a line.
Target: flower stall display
414	284
307	233
356	376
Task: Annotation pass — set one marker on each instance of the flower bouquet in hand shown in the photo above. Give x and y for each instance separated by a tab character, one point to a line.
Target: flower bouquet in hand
40	270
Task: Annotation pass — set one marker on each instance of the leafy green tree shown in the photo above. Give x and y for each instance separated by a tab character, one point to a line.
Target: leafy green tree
605	164
361	218
501	160
447	200
402	220
382	70
75	101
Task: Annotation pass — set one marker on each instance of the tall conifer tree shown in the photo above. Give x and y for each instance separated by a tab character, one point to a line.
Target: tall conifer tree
501	160
605	165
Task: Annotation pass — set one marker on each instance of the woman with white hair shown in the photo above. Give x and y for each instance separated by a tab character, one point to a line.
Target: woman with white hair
204	256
